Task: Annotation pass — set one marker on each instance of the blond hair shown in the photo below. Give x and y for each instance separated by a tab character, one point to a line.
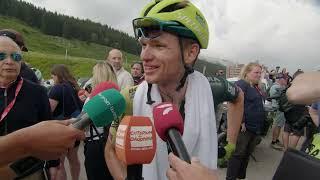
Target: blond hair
247	69
103	71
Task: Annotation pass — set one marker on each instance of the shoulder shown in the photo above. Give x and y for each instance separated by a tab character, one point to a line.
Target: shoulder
242	84
199	78
56	89
34	87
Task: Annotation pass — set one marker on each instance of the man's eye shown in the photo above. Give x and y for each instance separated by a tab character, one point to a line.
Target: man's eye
159	45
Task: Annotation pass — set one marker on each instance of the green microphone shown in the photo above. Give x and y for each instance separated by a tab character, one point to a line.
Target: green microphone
101	110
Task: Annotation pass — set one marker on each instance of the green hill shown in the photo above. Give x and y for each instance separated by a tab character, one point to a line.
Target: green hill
45	50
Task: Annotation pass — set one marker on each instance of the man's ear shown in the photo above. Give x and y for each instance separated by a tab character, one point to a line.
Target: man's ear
191	53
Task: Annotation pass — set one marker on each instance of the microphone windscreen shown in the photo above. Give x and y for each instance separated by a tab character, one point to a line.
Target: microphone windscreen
135	140
103	86
105	107
167	116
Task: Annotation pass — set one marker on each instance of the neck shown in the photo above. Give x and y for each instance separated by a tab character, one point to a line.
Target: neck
169	93
4	83
119	69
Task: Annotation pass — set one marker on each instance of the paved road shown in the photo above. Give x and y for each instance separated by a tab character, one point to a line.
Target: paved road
263	169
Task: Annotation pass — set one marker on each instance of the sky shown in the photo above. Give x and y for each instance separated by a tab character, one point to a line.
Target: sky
275	32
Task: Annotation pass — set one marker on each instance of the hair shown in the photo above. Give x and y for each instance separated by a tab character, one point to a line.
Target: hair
103	71
64	76
140	63
246	69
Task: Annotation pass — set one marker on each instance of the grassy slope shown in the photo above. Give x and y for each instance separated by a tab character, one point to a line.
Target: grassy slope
44	50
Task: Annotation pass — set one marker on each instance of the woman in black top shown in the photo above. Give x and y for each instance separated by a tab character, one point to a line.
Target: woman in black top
65	104
252	123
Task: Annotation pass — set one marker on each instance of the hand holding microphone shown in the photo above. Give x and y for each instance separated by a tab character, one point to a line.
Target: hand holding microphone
169	126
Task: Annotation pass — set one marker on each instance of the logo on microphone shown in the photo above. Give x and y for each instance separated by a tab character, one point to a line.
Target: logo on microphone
109	105
141	137
167	108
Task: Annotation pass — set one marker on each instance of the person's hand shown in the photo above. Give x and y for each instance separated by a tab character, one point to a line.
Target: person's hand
181	170
243	127
49	139
229	148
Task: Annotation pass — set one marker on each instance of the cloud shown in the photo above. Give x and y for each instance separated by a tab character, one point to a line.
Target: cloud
275	32
278	32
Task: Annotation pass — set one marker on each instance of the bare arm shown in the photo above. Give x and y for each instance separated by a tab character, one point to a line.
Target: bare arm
314	116
305	89
30	142
11	148
234	115
117	168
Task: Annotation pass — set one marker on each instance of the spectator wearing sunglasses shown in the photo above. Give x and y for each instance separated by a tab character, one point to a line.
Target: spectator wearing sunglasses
171	34
26	72
22	103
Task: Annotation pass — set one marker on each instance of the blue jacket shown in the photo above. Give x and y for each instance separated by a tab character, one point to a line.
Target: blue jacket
254	115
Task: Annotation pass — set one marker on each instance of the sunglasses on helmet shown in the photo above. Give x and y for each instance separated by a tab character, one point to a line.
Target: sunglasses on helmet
14	56
151	28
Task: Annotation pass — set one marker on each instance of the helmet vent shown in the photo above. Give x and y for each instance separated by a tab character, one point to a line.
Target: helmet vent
174	7
147	10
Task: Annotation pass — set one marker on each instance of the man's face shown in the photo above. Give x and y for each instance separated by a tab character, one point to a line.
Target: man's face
136	70
9	67
161	58
115	59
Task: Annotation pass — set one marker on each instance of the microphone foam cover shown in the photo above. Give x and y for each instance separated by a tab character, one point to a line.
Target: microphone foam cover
167	116
103	86
105	107
136	140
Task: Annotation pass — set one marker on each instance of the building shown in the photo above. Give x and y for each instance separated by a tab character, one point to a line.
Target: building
234	70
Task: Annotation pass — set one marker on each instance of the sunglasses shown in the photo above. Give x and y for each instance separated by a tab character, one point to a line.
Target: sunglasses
151	28
14	56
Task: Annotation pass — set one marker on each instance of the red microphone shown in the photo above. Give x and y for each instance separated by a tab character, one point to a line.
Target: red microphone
104	86
169	126
135	144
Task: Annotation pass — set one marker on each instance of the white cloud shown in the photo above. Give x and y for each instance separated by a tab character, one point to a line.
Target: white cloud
277	32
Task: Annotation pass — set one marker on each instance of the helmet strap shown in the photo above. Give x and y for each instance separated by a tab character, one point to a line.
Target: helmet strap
149	99
188	69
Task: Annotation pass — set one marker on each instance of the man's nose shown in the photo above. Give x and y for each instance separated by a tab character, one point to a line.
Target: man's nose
146	54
